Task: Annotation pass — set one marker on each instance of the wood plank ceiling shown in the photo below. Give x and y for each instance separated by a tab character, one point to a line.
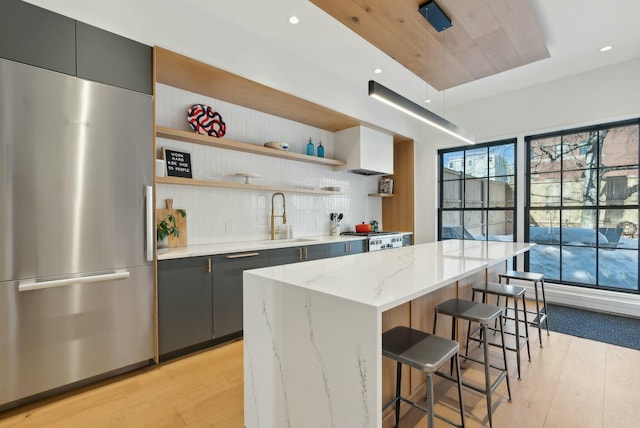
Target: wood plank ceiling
487	36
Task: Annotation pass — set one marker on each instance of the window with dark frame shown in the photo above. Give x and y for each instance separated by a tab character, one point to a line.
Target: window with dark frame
477	192
582	206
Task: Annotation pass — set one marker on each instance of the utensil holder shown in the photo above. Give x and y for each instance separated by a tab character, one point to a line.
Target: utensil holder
335	229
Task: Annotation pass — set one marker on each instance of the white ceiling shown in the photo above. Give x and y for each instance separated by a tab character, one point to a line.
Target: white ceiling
322	61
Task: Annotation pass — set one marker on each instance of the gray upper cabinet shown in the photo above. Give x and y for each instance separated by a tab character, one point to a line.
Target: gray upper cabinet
36	36
108	58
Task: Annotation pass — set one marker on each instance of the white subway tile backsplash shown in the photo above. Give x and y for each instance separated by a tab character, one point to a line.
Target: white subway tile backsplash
222	214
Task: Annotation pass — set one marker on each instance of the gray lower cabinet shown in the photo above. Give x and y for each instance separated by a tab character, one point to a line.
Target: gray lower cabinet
346	248
185	303
200	298
281	256
227	289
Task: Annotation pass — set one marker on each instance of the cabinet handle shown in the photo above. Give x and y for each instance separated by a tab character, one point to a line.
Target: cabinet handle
306	254
299	253
208	265
239	256
348	247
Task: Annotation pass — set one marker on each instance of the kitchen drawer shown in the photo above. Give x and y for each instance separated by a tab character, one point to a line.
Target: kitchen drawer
346	248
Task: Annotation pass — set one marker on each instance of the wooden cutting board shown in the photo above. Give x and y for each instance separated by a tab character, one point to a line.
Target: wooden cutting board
181	223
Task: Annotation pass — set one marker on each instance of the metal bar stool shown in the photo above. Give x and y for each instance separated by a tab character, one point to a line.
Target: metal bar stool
482	314
541	312
426	352
507	291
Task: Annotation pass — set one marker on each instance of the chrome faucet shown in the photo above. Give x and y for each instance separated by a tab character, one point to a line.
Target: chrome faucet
273	216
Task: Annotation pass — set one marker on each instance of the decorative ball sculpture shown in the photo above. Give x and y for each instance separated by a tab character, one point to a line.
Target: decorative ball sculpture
204	120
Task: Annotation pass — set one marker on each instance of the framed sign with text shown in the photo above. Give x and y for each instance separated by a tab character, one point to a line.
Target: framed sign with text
178	163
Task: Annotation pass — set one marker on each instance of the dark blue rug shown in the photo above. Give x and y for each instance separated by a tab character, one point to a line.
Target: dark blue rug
607	328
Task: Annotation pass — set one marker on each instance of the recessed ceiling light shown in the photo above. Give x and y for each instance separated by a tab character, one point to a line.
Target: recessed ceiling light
605	48
427	101
377	70
294	20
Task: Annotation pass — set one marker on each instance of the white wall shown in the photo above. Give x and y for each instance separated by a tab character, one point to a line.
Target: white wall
601	96
223	215
606	95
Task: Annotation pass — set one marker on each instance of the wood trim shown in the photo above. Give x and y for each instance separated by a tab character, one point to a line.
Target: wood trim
191	75
240	186
487	37
192	137
398	212
156	338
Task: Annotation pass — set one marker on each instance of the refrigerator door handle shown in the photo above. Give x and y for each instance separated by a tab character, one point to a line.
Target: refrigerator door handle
31	284
149	219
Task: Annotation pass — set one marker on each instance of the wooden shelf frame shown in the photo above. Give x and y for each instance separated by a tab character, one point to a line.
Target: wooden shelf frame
241	186
192	137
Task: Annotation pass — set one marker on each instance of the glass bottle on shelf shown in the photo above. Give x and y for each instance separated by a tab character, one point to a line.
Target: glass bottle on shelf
311	150
320	150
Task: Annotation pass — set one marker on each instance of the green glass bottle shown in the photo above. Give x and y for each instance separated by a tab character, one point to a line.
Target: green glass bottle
320	150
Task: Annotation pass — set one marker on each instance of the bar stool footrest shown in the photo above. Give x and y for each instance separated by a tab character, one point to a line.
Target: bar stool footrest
423	409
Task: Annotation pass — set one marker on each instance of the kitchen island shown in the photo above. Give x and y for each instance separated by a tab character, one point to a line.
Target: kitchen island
312	331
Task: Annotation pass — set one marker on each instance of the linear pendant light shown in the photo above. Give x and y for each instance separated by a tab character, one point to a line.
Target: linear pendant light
387	96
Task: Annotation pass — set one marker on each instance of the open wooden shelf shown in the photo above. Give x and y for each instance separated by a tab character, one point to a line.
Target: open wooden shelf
382	195
192	137
242	186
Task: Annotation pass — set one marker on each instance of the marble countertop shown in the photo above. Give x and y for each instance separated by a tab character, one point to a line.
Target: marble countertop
234	247
385	279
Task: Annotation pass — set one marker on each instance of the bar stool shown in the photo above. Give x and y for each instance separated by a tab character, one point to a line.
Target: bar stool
507	291
541	312
426	352
482	314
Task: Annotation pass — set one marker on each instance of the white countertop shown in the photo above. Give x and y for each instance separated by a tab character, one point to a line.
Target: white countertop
234	247
388	278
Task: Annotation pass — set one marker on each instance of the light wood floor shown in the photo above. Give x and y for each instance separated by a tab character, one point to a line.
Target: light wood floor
571	382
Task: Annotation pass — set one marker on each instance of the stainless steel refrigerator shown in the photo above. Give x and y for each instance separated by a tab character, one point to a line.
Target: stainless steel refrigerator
76	237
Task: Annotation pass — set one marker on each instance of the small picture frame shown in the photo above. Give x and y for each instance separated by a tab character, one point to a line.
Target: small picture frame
178	163
386	185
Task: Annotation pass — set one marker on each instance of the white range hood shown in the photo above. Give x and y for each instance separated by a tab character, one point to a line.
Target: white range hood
366	151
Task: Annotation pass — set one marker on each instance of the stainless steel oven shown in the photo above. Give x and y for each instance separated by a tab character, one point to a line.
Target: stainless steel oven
377	241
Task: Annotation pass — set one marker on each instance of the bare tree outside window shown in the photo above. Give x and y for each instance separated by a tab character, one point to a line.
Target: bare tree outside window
583	193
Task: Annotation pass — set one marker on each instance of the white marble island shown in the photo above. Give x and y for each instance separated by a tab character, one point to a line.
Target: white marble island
312	331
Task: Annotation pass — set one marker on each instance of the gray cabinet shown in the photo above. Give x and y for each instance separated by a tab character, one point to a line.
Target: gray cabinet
38	37
227	289
407	240
185	296
200	298
35	36
115	60
346	248
281	256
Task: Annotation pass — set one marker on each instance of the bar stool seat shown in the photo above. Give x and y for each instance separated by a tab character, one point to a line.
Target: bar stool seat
507	291
540	314
426	352
482	314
